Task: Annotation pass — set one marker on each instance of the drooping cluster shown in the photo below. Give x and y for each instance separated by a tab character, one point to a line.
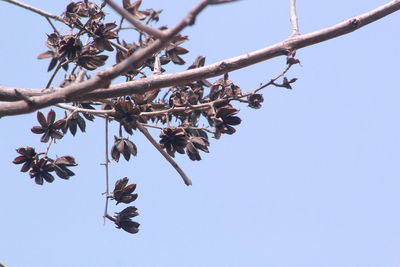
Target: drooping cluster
123	193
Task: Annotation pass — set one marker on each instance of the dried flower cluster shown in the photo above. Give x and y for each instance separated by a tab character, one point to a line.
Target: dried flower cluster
40	166
186	115
123	194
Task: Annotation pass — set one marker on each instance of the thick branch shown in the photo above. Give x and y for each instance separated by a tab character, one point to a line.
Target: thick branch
213	70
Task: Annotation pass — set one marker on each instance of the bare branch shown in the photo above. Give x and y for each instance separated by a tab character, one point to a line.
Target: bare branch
87	89
293	18
146	133
34	9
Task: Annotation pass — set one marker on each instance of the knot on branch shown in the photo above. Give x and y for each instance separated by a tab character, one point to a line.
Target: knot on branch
222	67
355	22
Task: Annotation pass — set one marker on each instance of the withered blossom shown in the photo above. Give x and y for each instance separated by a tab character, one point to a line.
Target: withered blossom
133	8
173	139
255	100
85	105
61	165
190	94
70	46
199	62
89	59
84	9
48	127
173	50
123	220
225	118
102	35
27	156
146	98
194	144
178	98
163	61
52	43
122	192
68	80
123	146
223	88
40	171
127	114
72	121
192	152
286	83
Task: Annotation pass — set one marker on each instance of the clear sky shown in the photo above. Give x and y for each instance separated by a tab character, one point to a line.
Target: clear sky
311	179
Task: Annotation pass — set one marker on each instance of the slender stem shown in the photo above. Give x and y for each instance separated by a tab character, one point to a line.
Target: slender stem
272	81
107	173
146	133
48	146
293	18
53	75
120	130
52	25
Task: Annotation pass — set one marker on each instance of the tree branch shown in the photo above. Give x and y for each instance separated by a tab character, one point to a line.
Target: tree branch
87	92
34	9
293	18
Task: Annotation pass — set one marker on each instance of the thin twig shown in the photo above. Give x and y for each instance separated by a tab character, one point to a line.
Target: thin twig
85	110
48	146
146	133
293	18
107	192
34	9
272	81
52	25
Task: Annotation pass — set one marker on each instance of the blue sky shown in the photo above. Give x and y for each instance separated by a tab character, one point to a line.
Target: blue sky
311	179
